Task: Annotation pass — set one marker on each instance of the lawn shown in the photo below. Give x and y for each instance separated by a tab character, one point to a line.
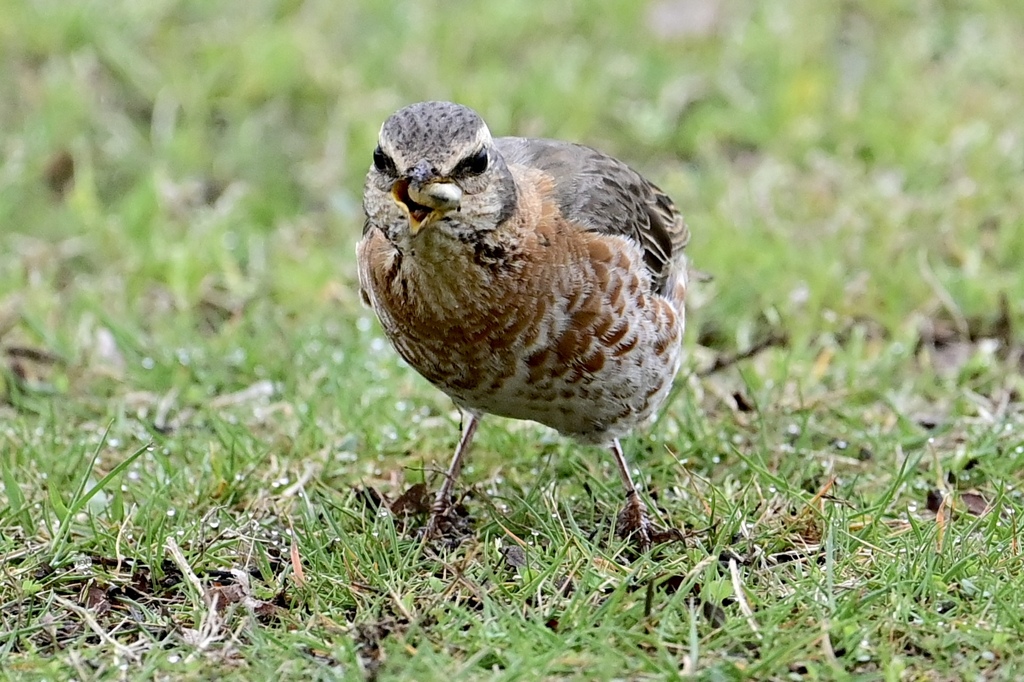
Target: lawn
212	461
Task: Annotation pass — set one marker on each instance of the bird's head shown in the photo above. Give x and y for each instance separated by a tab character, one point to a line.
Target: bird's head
435	164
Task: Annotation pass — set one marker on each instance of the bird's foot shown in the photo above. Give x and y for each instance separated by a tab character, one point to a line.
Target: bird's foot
635	525
445	528
438	521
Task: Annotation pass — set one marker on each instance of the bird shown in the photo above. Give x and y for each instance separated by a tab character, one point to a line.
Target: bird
527	278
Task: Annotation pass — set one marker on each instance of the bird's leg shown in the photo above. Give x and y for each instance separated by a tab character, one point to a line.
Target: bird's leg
633	521
441	501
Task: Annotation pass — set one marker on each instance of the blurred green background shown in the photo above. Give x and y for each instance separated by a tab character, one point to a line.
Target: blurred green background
820	150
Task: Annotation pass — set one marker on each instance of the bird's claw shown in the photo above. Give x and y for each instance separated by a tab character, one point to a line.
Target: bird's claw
635	525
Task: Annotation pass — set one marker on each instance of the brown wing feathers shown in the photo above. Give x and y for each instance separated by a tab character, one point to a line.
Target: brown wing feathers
605	195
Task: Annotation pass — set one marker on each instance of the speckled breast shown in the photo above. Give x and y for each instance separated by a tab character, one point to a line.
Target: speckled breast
566	335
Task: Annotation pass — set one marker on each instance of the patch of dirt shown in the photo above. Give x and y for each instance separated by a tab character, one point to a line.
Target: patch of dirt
368	637
949	343
411	510
127	603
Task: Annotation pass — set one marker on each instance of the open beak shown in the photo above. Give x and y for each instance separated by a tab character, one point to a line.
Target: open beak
426	202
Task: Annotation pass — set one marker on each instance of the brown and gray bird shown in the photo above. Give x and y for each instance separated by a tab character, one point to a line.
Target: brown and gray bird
526	278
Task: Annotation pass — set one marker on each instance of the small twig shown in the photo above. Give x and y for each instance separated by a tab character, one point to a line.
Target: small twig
297	487
741	597
178	557
85	615
35	355
400	605
776	338
120	538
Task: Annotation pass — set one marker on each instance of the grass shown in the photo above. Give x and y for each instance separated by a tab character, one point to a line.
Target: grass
202	431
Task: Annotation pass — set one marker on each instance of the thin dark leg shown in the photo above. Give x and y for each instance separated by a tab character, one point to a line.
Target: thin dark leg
632	521
441	500
623	465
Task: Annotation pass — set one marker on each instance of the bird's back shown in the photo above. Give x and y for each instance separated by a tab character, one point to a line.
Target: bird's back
600	193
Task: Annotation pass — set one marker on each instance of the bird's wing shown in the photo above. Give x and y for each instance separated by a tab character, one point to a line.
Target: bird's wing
605	195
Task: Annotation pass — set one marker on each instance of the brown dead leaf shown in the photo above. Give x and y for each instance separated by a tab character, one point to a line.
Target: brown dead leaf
96	600
296	559
975	504
713	613
413	502
941	521
59	173
370	497
265	610
220	597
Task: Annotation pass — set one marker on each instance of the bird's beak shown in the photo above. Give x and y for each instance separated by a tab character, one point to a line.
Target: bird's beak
426	202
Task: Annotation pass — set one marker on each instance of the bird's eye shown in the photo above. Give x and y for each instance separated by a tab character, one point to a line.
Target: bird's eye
474	164
382	162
